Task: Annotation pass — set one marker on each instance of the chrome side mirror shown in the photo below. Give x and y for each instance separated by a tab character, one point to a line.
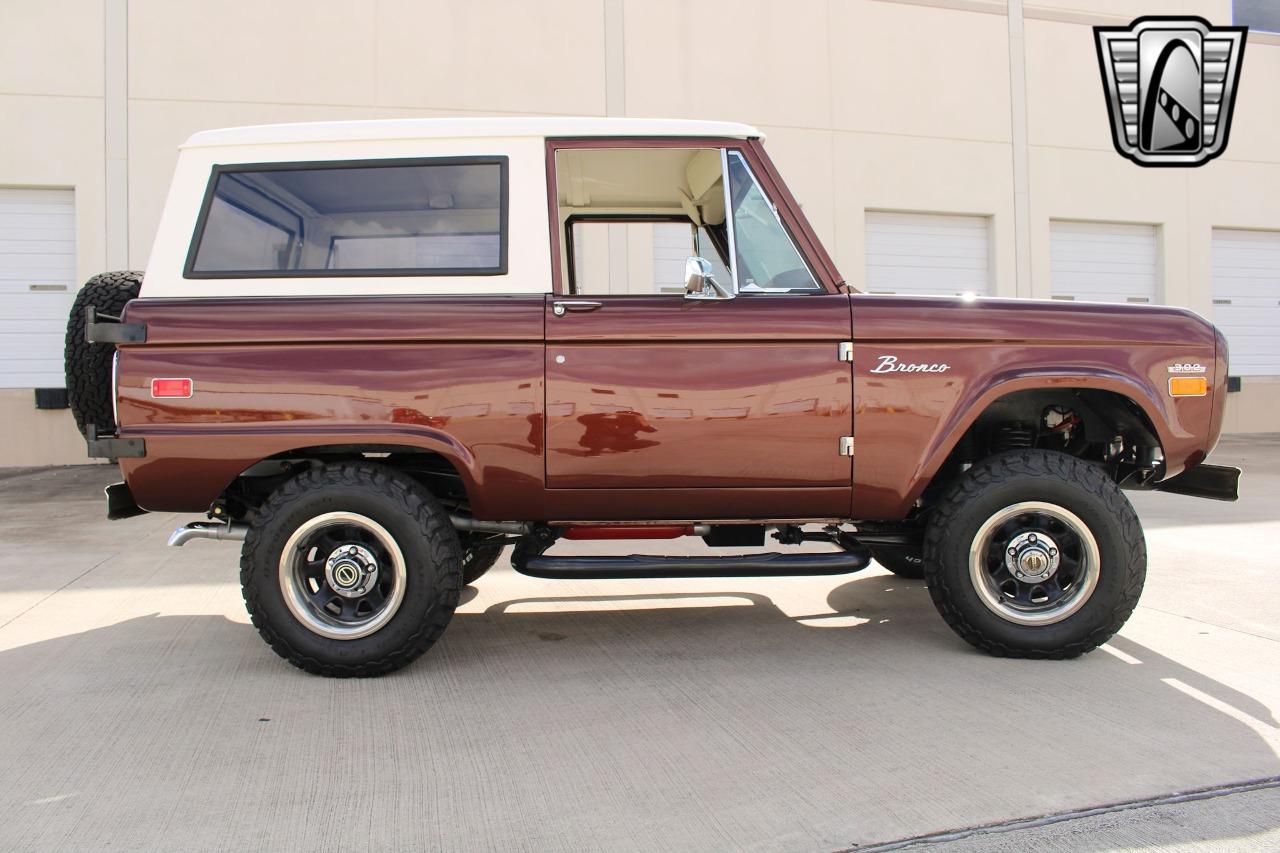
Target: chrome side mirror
699	283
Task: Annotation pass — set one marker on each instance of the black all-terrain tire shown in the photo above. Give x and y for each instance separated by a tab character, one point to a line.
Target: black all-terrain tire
903	562
420	528
1035	475
477	560
88	366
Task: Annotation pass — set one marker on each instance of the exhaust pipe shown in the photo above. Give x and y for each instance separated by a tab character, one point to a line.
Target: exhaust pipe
236	531
208	530
474	525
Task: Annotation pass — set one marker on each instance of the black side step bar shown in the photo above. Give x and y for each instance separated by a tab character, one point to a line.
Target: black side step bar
742	566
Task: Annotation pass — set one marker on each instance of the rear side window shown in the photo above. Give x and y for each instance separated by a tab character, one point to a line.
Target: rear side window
437	217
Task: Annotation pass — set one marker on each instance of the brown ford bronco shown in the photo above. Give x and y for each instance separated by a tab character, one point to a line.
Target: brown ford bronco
379	353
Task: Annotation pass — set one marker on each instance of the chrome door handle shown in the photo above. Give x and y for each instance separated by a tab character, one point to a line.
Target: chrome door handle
559	308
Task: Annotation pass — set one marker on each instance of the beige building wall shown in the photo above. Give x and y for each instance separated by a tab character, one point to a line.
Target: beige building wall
51	100
942	106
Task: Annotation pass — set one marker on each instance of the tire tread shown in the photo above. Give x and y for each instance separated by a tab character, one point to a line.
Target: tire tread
1023	464
88	366
417	503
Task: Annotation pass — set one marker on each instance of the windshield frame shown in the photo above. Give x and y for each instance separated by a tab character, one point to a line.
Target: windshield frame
731	217
797	225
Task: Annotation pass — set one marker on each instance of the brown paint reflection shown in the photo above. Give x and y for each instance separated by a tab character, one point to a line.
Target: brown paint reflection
612	432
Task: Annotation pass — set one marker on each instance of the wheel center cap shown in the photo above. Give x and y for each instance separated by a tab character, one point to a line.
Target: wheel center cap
1032	557
351	570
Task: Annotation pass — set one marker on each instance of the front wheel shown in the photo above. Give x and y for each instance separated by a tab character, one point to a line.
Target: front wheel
1035	554
351	570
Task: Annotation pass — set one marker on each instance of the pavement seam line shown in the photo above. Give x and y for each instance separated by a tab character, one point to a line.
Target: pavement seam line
1176	798
18	616
1210	624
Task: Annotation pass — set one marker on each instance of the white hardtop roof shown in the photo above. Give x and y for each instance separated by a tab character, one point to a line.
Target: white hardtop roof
442	128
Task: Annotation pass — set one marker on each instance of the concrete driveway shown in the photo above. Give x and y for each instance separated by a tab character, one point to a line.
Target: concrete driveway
140	709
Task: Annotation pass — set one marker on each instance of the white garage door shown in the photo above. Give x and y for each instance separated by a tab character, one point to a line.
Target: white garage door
924	253
1103	261
37	284
672	245
1246	298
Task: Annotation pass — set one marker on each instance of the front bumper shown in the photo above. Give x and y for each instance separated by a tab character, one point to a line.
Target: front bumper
1216	482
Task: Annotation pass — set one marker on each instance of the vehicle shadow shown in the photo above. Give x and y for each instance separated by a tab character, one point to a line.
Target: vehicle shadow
711	720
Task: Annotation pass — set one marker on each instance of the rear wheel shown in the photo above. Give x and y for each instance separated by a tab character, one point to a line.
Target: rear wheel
902	561
88	366
1035	554
351	570
478	558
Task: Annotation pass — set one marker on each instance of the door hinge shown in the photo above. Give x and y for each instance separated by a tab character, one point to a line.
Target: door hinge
845	351
846	445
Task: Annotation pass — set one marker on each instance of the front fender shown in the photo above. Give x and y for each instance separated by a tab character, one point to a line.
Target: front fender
908	423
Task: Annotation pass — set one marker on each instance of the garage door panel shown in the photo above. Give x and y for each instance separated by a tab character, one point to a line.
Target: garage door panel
941	276
928	286
33	259
53	306
1246	298
1103	261
923	261
37	247
923	253
907	255
909	240
33	327
1109	272
1070	249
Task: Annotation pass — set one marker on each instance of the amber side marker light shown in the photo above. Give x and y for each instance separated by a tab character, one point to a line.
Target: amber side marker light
1188	386
171	387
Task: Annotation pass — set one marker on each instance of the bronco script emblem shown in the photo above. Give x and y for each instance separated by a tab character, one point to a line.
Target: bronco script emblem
890	364
1170	86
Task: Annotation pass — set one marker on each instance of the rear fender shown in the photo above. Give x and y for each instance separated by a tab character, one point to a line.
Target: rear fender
187	470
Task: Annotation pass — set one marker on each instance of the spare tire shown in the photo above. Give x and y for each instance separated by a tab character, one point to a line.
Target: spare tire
88	366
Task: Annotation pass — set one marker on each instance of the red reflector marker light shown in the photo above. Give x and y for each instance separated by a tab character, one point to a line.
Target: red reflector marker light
171	387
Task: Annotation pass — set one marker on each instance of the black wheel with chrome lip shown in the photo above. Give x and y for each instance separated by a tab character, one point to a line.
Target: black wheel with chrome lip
1034	553
342	575
1034	563
351	569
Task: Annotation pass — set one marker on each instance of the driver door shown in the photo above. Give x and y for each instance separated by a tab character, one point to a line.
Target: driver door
735	407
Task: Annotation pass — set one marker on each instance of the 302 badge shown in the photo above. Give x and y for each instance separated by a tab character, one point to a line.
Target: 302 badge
1188	379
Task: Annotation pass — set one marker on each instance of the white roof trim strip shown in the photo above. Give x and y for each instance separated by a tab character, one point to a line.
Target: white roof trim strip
439	128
